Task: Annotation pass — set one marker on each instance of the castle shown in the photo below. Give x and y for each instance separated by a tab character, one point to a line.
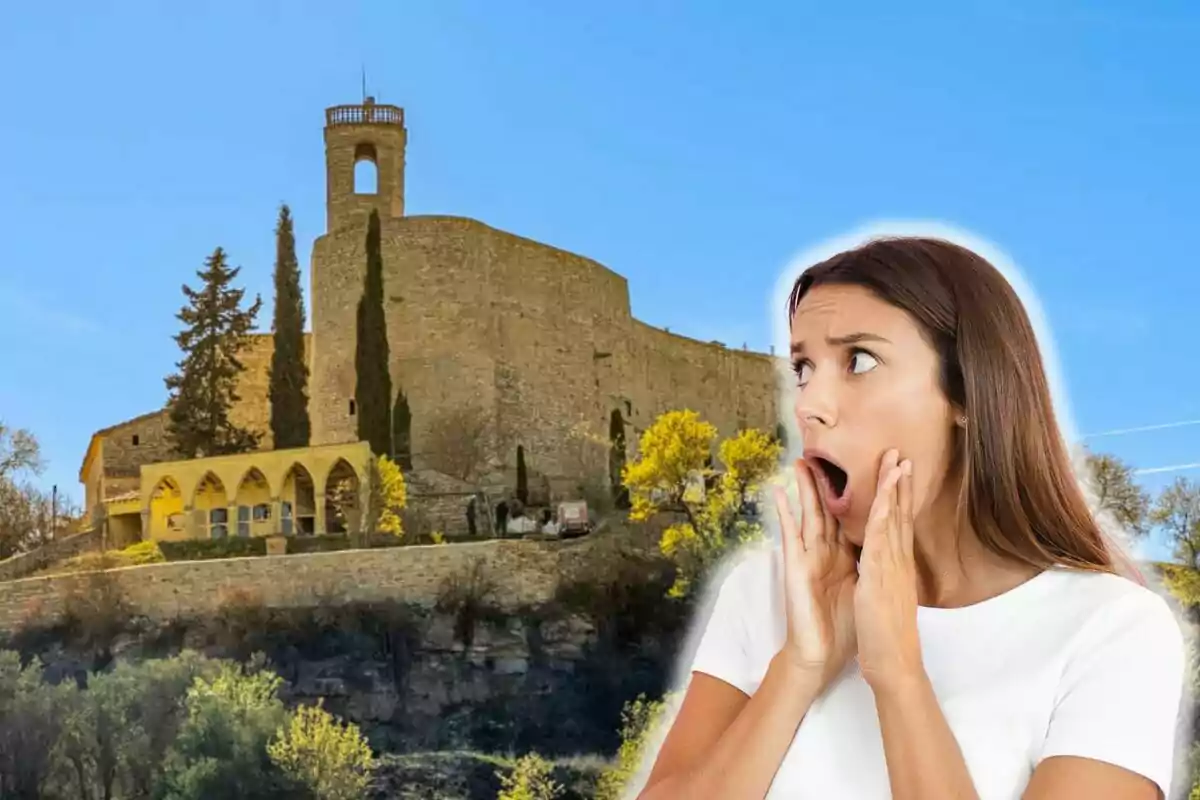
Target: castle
537	343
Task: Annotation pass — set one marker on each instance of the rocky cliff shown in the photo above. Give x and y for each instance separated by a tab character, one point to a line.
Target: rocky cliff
461	676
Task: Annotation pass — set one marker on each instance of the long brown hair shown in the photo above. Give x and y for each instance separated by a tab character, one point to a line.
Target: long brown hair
1019	490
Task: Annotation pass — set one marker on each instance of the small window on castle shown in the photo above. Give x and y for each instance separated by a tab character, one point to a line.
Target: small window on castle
352	408
136	441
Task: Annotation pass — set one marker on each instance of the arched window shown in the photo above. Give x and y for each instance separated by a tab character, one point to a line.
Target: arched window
366	171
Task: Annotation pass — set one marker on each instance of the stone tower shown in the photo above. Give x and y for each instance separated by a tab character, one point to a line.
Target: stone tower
353	134
367	132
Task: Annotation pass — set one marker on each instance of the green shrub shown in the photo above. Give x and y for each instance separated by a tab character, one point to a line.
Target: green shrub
470	596
640	721
106	740
204	549
1182	582
95	611
529	780
119	728
319	544
142	553
221	748
317	751
132	556
32	716
332	542
622	594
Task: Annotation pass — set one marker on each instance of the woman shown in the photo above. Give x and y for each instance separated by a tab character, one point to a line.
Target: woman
944	619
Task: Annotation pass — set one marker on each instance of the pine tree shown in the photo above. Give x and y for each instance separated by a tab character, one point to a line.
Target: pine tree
373	385
402	432
522	476
204	389
290	425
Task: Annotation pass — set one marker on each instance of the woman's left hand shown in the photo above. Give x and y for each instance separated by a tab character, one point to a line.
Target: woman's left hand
885	599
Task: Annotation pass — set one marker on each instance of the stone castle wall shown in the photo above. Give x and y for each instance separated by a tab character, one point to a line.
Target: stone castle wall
122	458
253	409
540	340
526	572
537	343
732	389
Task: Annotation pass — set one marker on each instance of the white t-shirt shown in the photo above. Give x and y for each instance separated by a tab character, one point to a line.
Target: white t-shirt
1068	663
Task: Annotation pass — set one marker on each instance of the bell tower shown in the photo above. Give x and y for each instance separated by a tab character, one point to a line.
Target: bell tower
360	139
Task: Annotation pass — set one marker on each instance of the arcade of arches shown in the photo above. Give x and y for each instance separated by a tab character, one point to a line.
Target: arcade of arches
308	490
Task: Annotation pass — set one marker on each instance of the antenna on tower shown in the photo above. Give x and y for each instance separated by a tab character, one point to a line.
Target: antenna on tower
364	83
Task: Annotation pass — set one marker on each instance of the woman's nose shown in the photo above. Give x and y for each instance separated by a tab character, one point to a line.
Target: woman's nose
816	404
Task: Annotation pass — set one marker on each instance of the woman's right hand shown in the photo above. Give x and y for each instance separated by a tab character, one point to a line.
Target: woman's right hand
819	579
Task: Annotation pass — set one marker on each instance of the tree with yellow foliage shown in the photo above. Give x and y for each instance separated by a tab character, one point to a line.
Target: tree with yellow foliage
672	472
389	496
331	758
640	724
530	779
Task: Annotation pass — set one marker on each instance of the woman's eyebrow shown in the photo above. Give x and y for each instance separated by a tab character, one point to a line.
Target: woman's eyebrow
837	341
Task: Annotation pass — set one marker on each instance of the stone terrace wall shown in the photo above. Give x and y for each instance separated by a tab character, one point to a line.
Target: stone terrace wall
528	572
19	566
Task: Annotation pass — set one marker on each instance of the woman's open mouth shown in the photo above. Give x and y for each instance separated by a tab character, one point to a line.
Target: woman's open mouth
834	483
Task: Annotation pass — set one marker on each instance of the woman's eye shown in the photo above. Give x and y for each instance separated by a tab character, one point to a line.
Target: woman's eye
862	361
803	371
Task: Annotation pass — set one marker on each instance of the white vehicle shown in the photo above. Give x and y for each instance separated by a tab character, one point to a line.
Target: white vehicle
573	519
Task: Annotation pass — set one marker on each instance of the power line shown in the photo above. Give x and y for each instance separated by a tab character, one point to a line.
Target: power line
1139	429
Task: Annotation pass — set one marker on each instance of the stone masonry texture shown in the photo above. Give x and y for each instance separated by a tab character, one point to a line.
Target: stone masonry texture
125	447
528	571
537	342
24	564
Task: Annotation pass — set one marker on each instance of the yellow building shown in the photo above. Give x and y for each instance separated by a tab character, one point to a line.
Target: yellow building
302	491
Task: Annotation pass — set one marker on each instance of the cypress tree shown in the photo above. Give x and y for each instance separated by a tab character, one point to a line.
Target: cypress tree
204	389
522	476
402	432
373	383
781	434
616	459
289	372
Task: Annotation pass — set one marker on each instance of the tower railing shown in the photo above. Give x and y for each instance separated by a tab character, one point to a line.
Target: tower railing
365	114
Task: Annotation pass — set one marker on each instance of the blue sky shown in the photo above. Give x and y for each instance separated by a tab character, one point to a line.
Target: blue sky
692	151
